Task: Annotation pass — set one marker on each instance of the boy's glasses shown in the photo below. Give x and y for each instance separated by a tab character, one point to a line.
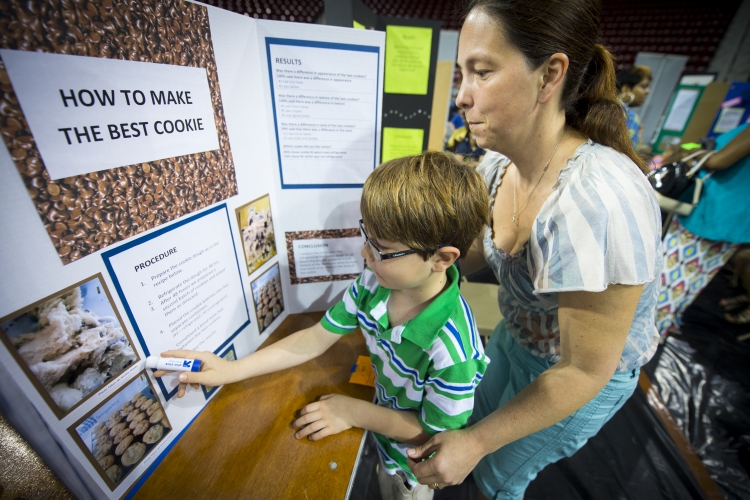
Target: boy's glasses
380	256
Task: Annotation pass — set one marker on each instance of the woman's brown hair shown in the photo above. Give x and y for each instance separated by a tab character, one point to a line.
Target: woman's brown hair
540	28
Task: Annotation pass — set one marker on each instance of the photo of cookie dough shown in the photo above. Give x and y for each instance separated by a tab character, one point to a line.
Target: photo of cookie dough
116	442
71	343
256	228
269	301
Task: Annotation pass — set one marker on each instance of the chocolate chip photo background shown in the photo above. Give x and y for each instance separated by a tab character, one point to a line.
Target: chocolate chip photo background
86	213
70	344
33	269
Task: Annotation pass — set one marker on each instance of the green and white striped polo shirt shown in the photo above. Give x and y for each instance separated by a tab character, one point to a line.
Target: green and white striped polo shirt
431	364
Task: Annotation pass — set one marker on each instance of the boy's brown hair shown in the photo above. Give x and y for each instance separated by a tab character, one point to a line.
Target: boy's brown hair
425	201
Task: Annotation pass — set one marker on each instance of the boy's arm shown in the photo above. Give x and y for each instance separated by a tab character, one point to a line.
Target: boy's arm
293	350
448	401
335	413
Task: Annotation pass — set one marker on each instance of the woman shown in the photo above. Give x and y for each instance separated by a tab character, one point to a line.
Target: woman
574	240
697	246
633	86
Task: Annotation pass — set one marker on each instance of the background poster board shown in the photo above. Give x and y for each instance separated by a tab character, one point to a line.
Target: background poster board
86	230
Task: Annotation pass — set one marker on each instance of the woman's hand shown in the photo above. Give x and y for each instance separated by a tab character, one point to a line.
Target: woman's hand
330	415
456	455
215	371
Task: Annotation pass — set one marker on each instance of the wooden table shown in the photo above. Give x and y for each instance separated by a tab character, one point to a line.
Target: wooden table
242	444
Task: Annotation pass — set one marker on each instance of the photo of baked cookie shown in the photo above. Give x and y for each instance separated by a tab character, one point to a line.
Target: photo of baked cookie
115	473
165	423
116	429
133	454
103	449
140	401
153	409
125	411
141	428
119	437
106	462
147	404
137	420
124	445
156	416
134	413
153	434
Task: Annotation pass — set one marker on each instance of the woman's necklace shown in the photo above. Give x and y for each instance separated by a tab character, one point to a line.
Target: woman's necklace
515	178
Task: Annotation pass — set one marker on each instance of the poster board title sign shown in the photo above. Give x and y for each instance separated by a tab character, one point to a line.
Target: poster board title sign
89	114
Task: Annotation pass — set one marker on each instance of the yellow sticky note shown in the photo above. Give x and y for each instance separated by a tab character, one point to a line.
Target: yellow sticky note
359	26
362	372
407	59
400	142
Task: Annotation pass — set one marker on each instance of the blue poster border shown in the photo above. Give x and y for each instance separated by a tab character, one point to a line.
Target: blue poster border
320	45
106	256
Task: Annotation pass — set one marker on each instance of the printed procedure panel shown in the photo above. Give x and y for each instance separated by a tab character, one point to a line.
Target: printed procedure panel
181	291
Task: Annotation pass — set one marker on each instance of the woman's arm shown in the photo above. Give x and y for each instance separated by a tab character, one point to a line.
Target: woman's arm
474	260
593	331
734	151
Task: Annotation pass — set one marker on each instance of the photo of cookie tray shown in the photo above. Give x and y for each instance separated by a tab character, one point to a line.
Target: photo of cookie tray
122	431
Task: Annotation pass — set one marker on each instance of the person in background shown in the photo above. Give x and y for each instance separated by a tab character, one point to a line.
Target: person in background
633	86
574	240
468	150
697	246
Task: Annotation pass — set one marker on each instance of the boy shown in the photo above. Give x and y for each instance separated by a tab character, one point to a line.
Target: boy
418	215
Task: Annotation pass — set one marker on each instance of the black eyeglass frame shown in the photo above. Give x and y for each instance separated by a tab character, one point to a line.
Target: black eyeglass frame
380	256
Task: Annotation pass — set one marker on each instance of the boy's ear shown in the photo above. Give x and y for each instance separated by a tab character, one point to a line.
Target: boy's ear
444	257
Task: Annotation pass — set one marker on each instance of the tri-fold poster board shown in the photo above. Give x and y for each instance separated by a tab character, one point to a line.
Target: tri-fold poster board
175	176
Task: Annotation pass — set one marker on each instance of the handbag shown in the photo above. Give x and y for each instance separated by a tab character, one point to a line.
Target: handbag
671	181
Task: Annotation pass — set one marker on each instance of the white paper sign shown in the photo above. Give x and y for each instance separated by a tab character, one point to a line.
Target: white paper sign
729	119
182	291
327	257
681	110
89	113
325	111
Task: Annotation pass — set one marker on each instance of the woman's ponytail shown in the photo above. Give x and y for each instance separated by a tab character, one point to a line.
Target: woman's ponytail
596	112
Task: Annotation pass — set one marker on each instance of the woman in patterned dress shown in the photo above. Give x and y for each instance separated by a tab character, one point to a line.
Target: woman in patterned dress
698	245
574	240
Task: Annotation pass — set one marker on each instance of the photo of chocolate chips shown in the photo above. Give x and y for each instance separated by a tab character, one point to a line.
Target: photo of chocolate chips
86	213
